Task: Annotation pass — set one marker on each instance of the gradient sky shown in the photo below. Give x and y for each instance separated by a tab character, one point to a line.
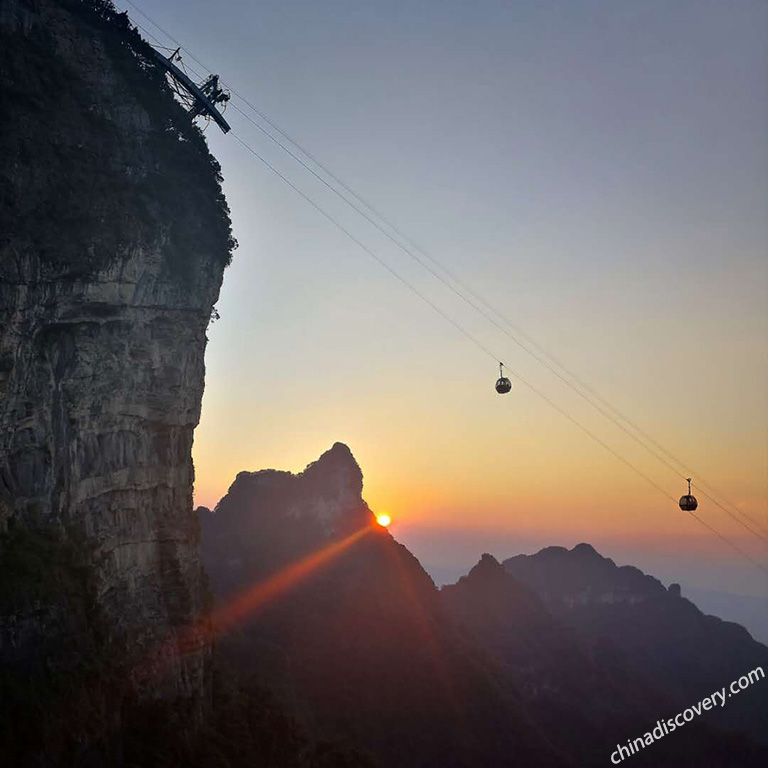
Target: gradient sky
598	170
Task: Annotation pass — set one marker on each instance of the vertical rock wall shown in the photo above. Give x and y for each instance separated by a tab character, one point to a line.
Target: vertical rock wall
114	236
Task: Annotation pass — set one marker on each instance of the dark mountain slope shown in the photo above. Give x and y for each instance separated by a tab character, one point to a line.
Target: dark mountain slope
586	697
660	635
360	646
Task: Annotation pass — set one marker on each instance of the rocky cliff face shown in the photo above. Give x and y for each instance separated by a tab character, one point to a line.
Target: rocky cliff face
113	240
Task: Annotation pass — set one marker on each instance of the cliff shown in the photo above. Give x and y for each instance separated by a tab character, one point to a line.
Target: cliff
114	235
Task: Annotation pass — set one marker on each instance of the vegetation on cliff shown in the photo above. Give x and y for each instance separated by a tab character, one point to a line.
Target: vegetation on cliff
51	700
160	189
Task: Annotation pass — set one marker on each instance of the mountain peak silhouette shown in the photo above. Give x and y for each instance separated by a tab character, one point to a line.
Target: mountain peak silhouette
663	638
586	550
360	643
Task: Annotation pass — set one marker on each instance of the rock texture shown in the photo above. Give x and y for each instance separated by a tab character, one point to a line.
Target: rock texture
113	240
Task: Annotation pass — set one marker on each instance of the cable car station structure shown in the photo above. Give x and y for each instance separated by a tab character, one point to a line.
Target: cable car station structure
200	100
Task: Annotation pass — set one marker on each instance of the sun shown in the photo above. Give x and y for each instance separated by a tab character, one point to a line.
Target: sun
383	520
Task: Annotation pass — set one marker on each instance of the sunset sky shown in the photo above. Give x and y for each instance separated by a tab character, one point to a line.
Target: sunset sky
596	170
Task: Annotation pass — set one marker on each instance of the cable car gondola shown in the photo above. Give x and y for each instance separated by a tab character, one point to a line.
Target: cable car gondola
503	384
688	502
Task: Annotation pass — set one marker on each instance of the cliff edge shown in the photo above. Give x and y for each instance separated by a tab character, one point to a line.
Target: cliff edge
114	235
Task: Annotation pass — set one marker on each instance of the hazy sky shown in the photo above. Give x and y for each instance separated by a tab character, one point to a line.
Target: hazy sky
598	170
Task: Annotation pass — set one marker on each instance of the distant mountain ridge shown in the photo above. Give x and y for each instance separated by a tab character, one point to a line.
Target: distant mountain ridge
494	670
661	635
581	575
585	695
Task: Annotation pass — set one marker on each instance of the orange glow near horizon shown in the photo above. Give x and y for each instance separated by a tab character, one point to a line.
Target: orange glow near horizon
571	488
520	494
631	296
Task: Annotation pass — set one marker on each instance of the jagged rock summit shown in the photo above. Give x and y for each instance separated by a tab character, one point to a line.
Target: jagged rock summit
269	517
360	644
327	494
